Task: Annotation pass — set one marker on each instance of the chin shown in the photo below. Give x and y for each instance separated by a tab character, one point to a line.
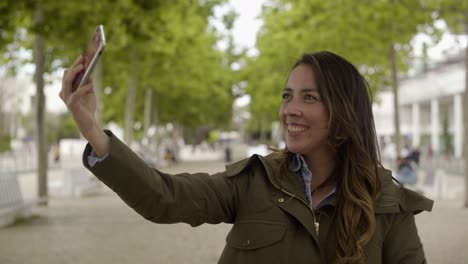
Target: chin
295	149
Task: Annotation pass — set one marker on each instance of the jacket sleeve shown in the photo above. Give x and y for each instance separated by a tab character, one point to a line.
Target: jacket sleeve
402	244
163	198
397	207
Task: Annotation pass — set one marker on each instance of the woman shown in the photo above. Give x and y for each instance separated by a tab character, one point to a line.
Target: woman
324	199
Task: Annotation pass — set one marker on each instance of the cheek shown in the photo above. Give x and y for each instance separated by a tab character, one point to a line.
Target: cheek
320	119
280	113
323	115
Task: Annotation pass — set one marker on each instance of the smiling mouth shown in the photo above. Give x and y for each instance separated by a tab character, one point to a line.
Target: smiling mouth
295	129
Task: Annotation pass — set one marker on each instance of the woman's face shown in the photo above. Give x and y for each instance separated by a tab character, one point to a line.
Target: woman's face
303	115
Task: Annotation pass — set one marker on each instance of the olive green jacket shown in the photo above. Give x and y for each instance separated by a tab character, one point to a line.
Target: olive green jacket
270	224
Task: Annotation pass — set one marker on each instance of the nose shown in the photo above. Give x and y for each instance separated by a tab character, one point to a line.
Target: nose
292	108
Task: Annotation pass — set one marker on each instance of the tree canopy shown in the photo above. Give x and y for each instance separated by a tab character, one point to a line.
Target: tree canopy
361	31
166	46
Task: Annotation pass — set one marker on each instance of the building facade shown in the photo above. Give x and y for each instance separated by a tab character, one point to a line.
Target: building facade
431	110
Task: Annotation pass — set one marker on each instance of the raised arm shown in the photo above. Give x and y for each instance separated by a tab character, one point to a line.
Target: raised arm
163	198
82	105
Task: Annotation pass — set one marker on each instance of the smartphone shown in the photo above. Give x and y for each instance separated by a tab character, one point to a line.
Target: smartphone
90	57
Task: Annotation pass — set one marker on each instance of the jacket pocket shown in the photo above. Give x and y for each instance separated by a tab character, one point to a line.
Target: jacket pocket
252	242
249	235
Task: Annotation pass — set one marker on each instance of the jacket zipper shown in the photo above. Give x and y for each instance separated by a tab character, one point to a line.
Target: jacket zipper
292	195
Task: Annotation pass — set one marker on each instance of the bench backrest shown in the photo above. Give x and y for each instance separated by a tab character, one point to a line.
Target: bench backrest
10	192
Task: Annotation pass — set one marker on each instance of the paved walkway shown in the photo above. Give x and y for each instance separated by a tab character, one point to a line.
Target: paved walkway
102	229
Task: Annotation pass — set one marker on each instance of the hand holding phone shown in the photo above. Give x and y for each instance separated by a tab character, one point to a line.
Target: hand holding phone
90	57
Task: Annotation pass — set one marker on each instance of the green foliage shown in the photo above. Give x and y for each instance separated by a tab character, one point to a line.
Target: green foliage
5	143
168	46
446	135
59	126
66	127
453	12
361	31
173	51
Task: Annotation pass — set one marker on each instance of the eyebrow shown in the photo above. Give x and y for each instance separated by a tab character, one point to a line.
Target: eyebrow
305	90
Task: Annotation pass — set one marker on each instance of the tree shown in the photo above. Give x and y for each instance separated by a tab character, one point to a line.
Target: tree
351	30
40	135
179	62
465	111
166	46
53	26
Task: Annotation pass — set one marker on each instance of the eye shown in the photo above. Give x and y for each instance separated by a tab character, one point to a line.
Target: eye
310	98
286	96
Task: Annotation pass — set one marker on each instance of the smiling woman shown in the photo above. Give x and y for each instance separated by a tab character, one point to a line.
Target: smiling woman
325	198
329	129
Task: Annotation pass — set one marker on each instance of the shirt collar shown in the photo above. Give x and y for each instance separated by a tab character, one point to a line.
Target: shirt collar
299	165
298	162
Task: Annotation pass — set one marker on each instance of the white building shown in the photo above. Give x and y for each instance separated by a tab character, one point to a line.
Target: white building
425	103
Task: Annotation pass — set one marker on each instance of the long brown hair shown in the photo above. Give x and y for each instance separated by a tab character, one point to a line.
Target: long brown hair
346	94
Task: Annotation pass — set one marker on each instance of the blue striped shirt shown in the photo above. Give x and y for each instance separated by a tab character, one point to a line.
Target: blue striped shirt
299	165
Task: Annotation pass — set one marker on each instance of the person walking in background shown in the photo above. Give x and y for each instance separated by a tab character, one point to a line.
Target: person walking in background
415	155
324	198
430	152
56	152
406	171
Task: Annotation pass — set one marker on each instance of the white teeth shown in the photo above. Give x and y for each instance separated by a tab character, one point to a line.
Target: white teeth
296	128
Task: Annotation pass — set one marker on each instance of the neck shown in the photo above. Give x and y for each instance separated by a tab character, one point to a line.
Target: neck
321	166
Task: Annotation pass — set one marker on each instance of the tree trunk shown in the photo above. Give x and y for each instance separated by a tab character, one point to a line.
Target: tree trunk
130	106
147	114
2	103
396	112
154	140
465	115
263	130
40	133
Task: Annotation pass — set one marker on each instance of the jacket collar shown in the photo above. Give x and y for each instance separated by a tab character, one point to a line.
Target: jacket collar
393	198
290	183
271	163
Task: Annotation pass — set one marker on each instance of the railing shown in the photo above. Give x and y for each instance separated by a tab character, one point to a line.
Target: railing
22	162
450	165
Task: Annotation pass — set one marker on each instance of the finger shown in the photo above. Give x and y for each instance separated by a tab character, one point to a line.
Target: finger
74	98
67	81
66	71
77	61
85	88
61	94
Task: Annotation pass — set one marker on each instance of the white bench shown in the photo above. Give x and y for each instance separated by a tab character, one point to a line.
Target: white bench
12	205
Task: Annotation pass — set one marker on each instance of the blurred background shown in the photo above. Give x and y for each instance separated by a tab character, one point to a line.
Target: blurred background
192	85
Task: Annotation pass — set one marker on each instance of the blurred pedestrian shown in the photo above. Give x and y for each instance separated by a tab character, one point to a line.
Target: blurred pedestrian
430	151
56	152
414	156
406	173
169	156
228	153
324	198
